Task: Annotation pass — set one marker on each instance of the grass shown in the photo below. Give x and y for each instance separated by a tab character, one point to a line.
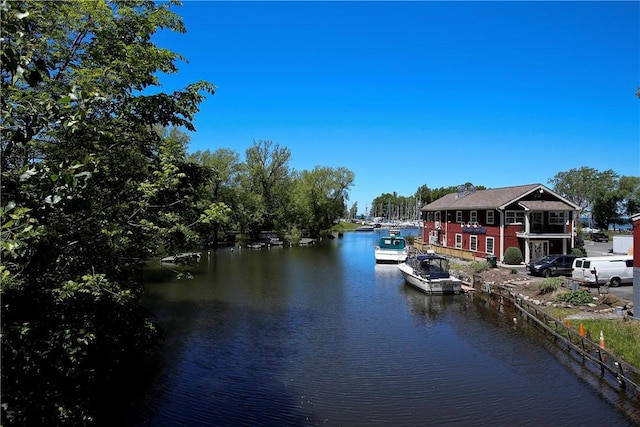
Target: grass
621	336
344	226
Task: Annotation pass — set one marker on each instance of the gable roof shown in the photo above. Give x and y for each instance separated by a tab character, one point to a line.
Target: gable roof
499	198
544	205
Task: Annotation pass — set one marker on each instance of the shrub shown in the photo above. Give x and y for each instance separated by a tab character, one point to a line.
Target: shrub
295	235
513	256
580	251
479	267
581	296
546	286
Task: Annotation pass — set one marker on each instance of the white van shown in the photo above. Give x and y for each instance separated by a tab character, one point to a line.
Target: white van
600	270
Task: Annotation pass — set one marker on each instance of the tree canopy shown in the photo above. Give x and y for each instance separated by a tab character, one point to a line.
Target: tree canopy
89	189
264	194
603	195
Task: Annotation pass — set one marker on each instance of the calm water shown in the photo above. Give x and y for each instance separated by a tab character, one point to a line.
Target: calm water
323	336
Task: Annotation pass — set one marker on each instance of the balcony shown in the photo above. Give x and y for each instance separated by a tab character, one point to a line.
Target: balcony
556	231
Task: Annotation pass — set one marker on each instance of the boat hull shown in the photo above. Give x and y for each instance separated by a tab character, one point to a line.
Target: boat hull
449	285
390	256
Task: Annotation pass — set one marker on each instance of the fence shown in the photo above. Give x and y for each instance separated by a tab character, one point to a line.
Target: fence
624	374
448	251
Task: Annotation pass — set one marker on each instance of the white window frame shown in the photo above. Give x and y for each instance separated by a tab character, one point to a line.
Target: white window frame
490	217
458	241
490	248
458	217
473	217
517	217
556	217
473	243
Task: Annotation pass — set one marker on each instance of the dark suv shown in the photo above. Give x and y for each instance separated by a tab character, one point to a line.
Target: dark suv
599	236
552	265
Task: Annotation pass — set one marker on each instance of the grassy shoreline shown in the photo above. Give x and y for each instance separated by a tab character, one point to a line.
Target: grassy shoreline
622	335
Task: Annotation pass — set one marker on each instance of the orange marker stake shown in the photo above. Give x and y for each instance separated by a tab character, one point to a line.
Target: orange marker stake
601	340
581	331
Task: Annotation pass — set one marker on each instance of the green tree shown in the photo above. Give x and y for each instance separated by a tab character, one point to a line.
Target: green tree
89	187
605	209
267	185
402	207
319	197
224	169
353	210
629	187
584	186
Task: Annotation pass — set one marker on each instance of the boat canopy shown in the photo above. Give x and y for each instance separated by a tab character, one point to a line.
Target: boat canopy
434	266
392	242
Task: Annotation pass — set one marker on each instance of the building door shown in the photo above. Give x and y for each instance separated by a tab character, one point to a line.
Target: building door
538	249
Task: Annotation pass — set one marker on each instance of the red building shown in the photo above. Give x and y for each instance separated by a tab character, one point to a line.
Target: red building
487	222
635	220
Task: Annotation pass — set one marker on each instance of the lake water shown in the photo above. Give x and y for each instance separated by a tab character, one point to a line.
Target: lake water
322	335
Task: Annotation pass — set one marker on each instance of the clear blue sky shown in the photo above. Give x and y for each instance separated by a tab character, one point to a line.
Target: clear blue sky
412	93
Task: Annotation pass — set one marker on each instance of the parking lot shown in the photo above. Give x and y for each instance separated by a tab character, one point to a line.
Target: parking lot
601	249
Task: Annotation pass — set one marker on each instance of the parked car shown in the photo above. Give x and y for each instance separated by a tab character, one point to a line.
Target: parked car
599	236
552	265
599	270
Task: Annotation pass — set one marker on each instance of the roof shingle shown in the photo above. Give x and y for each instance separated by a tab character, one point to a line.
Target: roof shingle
486	199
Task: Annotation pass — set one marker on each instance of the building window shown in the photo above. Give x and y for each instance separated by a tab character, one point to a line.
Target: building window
556	218
458	241
458	216
437	216
490	245
514	217
473	243
490	217
473	217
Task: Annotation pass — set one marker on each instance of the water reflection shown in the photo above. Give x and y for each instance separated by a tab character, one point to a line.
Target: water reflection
428	306
323	335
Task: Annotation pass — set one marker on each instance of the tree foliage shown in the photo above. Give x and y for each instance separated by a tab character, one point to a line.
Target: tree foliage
268	178
629	188
89	188
319	197
583	185
263	194
606	196
396	207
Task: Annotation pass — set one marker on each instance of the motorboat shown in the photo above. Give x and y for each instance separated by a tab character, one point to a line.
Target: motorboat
430	273
391	248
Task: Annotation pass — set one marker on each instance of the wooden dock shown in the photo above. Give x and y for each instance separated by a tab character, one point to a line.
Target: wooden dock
182	257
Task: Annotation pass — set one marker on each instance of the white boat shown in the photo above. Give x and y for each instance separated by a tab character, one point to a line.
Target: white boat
391	248
430	273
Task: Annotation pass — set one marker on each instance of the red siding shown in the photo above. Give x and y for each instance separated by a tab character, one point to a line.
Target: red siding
636	243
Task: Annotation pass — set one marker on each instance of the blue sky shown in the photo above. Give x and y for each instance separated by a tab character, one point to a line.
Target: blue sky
406	94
